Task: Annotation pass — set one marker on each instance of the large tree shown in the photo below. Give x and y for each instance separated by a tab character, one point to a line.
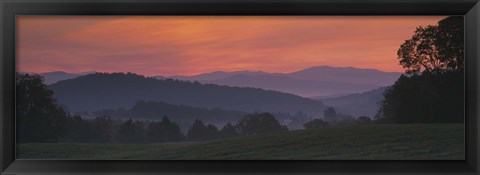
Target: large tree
434	48
330	115
39	118
212	132
432	88
228	131
198	131
316	123
259	123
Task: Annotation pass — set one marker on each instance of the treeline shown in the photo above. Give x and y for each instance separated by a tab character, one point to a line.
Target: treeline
105	130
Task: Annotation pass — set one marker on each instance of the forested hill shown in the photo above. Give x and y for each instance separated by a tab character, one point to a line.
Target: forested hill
156	110
99	91
358	104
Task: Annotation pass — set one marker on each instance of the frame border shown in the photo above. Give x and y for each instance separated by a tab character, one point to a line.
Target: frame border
11	8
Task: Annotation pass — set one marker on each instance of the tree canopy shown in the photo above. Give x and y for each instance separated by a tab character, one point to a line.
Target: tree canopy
198	131
434	48
259	123
316	123
432	88
39	118
228	130
131	132
330	114
163	131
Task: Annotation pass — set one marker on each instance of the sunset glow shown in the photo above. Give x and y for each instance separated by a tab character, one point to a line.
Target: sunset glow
188	45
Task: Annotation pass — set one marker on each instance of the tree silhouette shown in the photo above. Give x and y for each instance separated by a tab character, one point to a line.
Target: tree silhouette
434	48
316	123
163	131
330	114
102	129
432	88
77	130
426	98
130	132
228	131
259	123
364	120
198	131
39	118
212	132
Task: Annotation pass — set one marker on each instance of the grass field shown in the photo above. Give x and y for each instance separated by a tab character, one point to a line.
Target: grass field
397	142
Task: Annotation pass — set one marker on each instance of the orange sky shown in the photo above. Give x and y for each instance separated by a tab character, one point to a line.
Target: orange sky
187	45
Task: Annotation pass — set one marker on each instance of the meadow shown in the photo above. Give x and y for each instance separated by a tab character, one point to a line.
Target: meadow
360	142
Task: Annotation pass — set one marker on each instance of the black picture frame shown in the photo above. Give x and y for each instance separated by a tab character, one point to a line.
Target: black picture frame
9	9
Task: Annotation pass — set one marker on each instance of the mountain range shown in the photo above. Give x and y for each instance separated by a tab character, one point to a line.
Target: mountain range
349	90
319	81
310	82
94	92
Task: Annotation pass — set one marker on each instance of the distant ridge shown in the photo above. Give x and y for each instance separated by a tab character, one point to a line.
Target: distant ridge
365	103
218	75
347	75
53	77
301	87
311	82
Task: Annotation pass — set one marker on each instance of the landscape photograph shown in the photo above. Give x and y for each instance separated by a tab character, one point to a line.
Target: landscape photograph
240	87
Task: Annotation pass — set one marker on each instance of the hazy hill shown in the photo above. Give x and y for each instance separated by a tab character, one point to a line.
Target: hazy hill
347	75
305	88
151	110
310	82
331	95
217	75
366	103
99	91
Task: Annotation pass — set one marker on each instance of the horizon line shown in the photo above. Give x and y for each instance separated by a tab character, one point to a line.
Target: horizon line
158	75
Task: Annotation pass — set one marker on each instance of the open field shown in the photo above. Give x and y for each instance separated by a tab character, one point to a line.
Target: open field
399	142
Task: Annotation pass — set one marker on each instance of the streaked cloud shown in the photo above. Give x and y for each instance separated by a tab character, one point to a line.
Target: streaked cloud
186	45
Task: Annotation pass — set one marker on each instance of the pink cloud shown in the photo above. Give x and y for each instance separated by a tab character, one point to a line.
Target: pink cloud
181	45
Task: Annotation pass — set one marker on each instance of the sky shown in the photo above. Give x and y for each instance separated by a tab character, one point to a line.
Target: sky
189	45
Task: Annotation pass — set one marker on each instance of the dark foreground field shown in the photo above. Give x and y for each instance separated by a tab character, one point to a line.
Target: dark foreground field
412	141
